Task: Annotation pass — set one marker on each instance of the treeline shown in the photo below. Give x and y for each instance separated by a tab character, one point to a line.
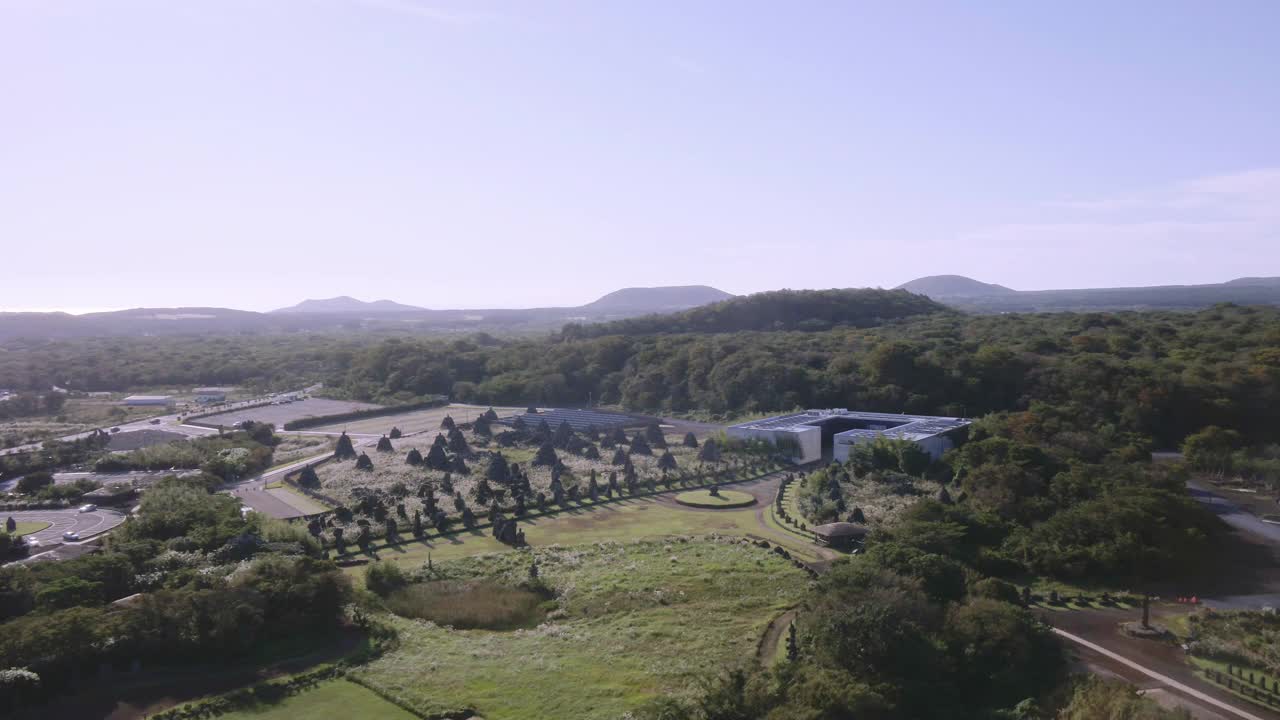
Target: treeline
189	580
804	310
1160	375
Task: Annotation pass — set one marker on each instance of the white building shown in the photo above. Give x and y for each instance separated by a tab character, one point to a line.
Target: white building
208	395
149	401
812	432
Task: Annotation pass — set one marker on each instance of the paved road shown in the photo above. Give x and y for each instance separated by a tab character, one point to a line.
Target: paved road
1234	515
87	524
1233	707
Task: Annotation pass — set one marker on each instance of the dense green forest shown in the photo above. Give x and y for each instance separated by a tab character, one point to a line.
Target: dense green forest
1162	375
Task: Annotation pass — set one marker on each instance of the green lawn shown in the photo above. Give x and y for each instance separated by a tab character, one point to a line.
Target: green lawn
630	519
722	499
26	528
631	622
333	700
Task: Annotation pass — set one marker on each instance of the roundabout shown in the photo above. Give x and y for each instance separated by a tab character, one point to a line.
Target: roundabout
722	500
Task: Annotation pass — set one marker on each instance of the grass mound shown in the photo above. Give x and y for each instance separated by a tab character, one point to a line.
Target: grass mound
725	499
26	528
471	604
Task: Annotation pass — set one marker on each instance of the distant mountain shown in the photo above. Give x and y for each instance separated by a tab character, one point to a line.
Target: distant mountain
346	314
968	294
658	299
953	286
1255	282
347	304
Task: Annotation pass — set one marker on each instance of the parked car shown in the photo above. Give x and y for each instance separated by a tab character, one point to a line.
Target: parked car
31	541
70	536
88	508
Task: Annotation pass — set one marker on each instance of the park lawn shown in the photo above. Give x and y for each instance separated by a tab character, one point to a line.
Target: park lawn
26	528
622	520
333	700
633	622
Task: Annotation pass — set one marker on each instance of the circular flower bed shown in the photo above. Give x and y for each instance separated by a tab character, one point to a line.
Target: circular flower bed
722	500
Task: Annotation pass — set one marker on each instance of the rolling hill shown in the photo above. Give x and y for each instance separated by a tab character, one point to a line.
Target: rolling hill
975	296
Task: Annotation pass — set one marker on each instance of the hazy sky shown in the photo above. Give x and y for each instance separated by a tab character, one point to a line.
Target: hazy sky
252	153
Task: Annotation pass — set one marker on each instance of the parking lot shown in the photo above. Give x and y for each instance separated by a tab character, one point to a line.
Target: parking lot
60	521
278	415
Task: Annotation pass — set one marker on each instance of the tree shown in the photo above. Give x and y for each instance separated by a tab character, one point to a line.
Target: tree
414	457
619	457
499	470
590	452
640	446
384	444
395	433
458	443
482	426
710	452
667	463
384	578
437	458
10	525
690	440
457	465
308	477
653	433
363	462
447	423
417	523
34	482
1210	449
546	456
489	414
344	450
563	435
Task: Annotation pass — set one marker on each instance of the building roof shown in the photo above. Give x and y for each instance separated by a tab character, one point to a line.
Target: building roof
212	390
840	530
148	398
892	425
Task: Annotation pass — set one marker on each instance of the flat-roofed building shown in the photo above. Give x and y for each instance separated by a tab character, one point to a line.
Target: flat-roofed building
208	395
149	401
812	433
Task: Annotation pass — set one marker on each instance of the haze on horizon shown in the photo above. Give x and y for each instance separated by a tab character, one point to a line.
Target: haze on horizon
253	154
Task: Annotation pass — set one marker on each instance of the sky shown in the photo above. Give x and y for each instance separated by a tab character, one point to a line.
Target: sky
253	153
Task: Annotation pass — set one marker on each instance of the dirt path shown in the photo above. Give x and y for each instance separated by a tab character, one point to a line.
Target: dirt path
773	635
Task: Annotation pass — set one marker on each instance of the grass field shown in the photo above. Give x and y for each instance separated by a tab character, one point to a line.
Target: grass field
634	621
26	528
625	520
333	700
412	422
723	499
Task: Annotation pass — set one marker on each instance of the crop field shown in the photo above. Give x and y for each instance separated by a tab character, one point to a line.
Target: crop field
278	415
412	422
629	623
621	521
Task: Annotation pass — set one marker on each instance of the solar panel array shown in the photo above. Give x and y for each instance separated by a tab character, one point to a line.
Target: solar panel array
579	420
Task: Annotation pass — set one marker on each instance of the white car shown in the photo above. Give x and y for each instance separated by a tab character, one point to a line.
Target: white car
31	542
71	536
88	508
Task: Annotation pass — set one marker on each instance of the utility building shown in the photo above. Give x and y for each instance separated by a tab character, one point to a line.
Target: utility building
814	434
149	401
